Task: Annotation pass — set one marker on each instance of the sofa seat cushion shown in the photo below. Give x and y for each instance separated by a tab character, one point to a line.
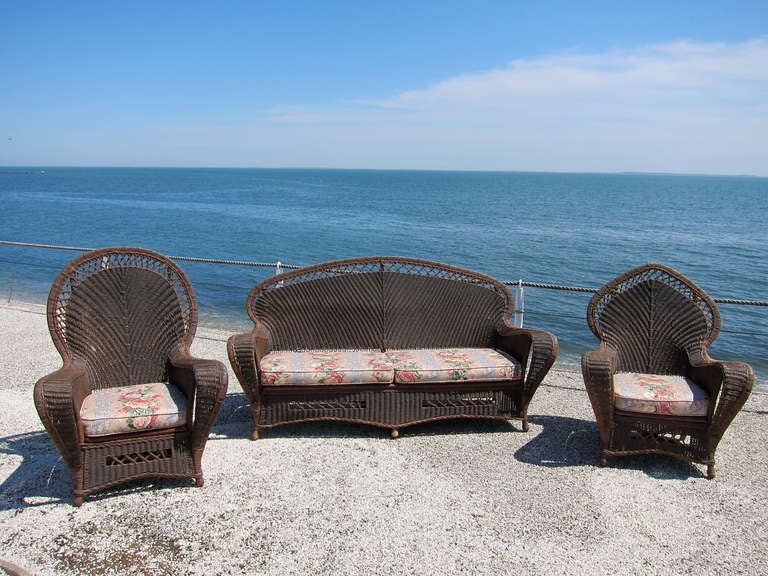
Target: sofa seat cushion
125	409
322	367
659	394
453	365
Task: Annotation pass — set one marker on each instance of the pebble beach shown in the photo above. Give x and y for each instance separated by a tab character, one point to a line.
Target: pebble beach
455	497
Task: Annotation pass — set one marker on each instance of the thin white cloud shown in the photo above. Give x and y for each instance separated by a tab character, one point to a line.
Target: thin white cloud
675	66
676	107
681	106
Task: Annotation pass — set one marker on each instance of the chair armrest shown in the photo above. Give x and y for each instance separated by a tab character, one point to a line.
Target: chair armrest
535	348
598	368
58	398
245	351
729	383
205	382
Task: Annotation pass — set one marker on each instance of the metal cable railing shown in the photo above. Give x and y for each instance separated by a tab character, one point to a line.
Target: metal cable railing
279	266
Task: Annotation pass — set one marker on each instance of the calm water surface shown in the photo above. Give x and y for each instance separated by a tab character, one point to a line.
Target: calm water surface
574	229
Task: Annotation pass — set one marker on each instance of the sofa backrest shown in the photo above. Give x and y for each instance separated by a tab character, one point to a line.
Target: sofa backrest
379	302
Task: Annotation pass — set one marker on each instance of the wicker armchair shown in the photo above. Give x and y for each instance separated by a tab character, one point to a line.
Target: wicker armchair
652	384
129	401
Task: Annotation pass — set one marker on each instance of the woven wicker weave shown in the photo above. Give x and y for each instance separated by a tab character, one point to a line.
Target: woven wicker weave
386	303
123	316
654	320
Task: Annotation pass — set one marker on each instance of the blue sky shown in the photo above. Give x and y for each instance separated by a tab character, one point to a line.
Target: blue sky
479	85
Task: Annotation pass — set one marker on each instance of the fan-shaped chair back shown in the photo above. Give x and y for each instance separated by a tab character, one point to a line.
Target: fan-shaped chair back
122	312
654	317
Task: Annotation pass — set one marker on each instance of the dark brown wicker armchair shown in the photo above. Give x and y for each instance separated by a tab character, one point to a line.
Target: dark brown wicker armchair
130	401
652	384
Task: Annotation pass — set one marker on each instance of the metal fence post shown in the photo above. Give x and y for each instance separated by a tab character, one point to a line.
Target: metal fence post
519	304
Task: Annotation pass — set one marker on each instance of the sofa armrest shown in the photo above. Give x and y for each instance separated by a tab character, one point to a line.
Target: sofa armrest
245	351
536	349
58	398
205	384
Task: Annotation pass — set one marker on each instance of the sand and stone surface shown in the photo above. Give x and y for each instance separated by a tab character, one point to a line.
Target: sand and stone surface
462	497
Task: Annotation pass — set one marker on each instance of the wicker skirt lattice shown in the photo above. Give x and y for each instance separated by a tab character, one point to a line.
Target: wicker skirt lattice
139	457
685	439
108	462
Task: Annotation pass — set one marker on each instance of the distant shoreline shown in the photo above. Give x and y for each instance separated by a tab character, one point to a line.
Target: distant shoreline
7	169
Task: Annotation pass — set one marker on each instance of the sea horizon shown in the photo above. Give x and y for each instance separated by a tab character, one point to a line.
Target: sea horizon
37	167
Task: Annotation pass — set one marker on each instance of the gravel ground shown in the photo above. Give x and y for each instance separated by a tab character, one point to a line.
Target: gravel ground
463	497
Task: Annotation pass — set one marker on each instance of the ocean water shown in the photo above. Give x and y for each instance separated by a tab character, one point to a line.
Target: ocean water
571	229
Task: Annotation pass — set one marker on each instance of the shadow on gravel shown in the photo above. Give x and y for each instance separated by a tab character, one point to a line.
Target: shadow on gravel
40	475
561	442
565	442
41	478
234	419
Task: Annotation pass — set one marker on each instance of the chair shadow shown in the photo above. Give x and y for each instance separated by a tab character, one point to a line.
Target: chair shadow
562	442
234	419
42	477
572	442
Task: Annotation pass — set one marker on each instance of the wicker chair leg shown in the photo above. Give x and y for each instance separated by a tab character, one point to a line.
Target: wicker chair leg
603	459
77	479
197	457
255	433
711	471
395	432
526	426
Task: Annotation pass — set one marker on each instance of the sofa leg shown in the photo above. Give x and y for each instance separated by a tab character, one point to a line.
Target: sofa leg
255	434
395	432
526	426
78	501
711	471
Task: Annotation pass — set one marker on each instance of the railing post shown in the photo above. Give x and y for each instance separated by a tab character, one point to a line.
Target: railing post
12	285
519	304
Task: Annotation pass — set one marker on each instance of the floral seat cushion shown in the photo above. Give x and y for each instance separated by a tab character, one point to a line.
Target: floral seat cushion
320	367
659	394
453	364
126	409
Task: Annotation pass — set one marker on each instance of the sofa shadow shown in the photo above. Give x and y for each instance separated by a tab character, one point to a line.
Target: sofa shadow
235	421
572	442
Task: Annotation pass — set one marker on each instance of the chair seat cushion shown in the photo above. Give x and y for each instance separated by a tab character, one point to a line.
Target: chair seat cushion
323	367
452	365
659	394
126	409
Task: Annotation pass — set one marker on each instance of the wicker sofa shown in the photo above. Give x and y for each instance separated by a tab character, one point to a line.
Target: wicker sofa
389	342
